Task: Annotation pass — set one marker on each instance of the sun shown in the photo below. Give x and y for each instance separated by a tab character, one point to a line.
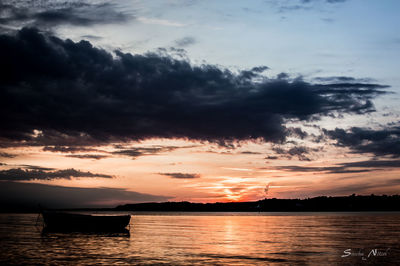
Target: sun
232	196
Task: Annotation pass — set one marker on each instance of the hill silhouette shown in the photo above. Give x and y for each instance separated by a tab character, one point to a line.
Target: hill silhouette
316	204
323	203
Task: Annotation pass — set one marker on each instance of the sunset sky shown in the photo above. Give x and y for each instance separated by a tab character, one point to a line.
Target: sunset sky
111	102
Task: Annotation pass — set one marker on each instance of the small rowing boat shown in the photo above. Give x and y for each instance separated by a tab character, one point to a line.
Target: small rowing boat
65	221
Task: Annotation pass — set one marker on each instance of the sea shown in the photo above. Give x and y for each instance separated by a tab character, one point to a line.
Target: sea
336	238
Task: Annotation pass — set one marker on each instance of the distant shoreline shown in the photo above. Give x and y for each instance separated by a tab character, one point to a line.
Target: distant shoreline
317	204
352	203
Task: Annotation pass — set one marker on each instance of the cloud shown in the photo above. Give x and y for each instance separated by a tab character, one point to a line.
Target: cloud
297	132
336	79
133	152
88	156
47	14
7	155
380	142
68	149
249	152
328	169
283	6
35	167
61	93
300	152
78	149
181	175
91	37
142	151
350	167
186	41
29	194
374	164
18	174
253	73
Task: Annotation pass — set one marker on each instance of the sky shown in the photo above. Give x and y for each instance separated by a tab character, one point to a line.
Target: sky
113	102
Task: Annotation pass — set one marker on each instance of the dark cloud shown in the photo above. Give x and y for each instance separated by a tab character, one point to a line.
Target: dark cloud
68	149
136	152
297	132
253	73
58	92
282	75
181	175
350	167
328	170
7	155
28	194
88	156
300	152
335	79
143	151
78	149
35	167
373	164
380	142
186	41
18	174
249	152
121	150
47	14
259	69
50	138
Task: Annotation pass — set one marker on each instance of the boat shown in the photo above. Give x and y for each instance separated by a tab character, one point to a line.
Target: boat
70	222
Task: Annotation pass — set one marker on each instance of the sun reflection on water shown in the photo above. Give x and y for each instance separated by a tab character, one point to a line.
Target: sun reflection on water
207	238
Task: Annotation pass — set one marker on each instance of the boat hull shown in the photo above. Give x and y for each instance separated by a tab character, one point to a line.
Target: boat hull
68	222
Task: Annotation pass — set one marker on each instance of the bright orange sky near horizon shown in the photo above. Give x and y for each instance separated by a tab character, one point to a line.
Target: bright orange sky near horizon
213	173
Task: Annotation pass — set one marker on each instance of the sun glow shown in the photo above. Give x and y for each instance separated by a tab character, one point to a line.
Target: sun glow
232	196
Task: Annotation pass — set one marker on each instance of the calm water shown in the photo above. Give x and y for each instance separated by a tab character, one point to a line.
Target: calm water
213	239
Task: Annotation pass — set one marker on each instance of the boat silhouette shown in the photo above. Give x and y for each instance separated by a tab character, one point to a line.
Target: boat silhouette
56	221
